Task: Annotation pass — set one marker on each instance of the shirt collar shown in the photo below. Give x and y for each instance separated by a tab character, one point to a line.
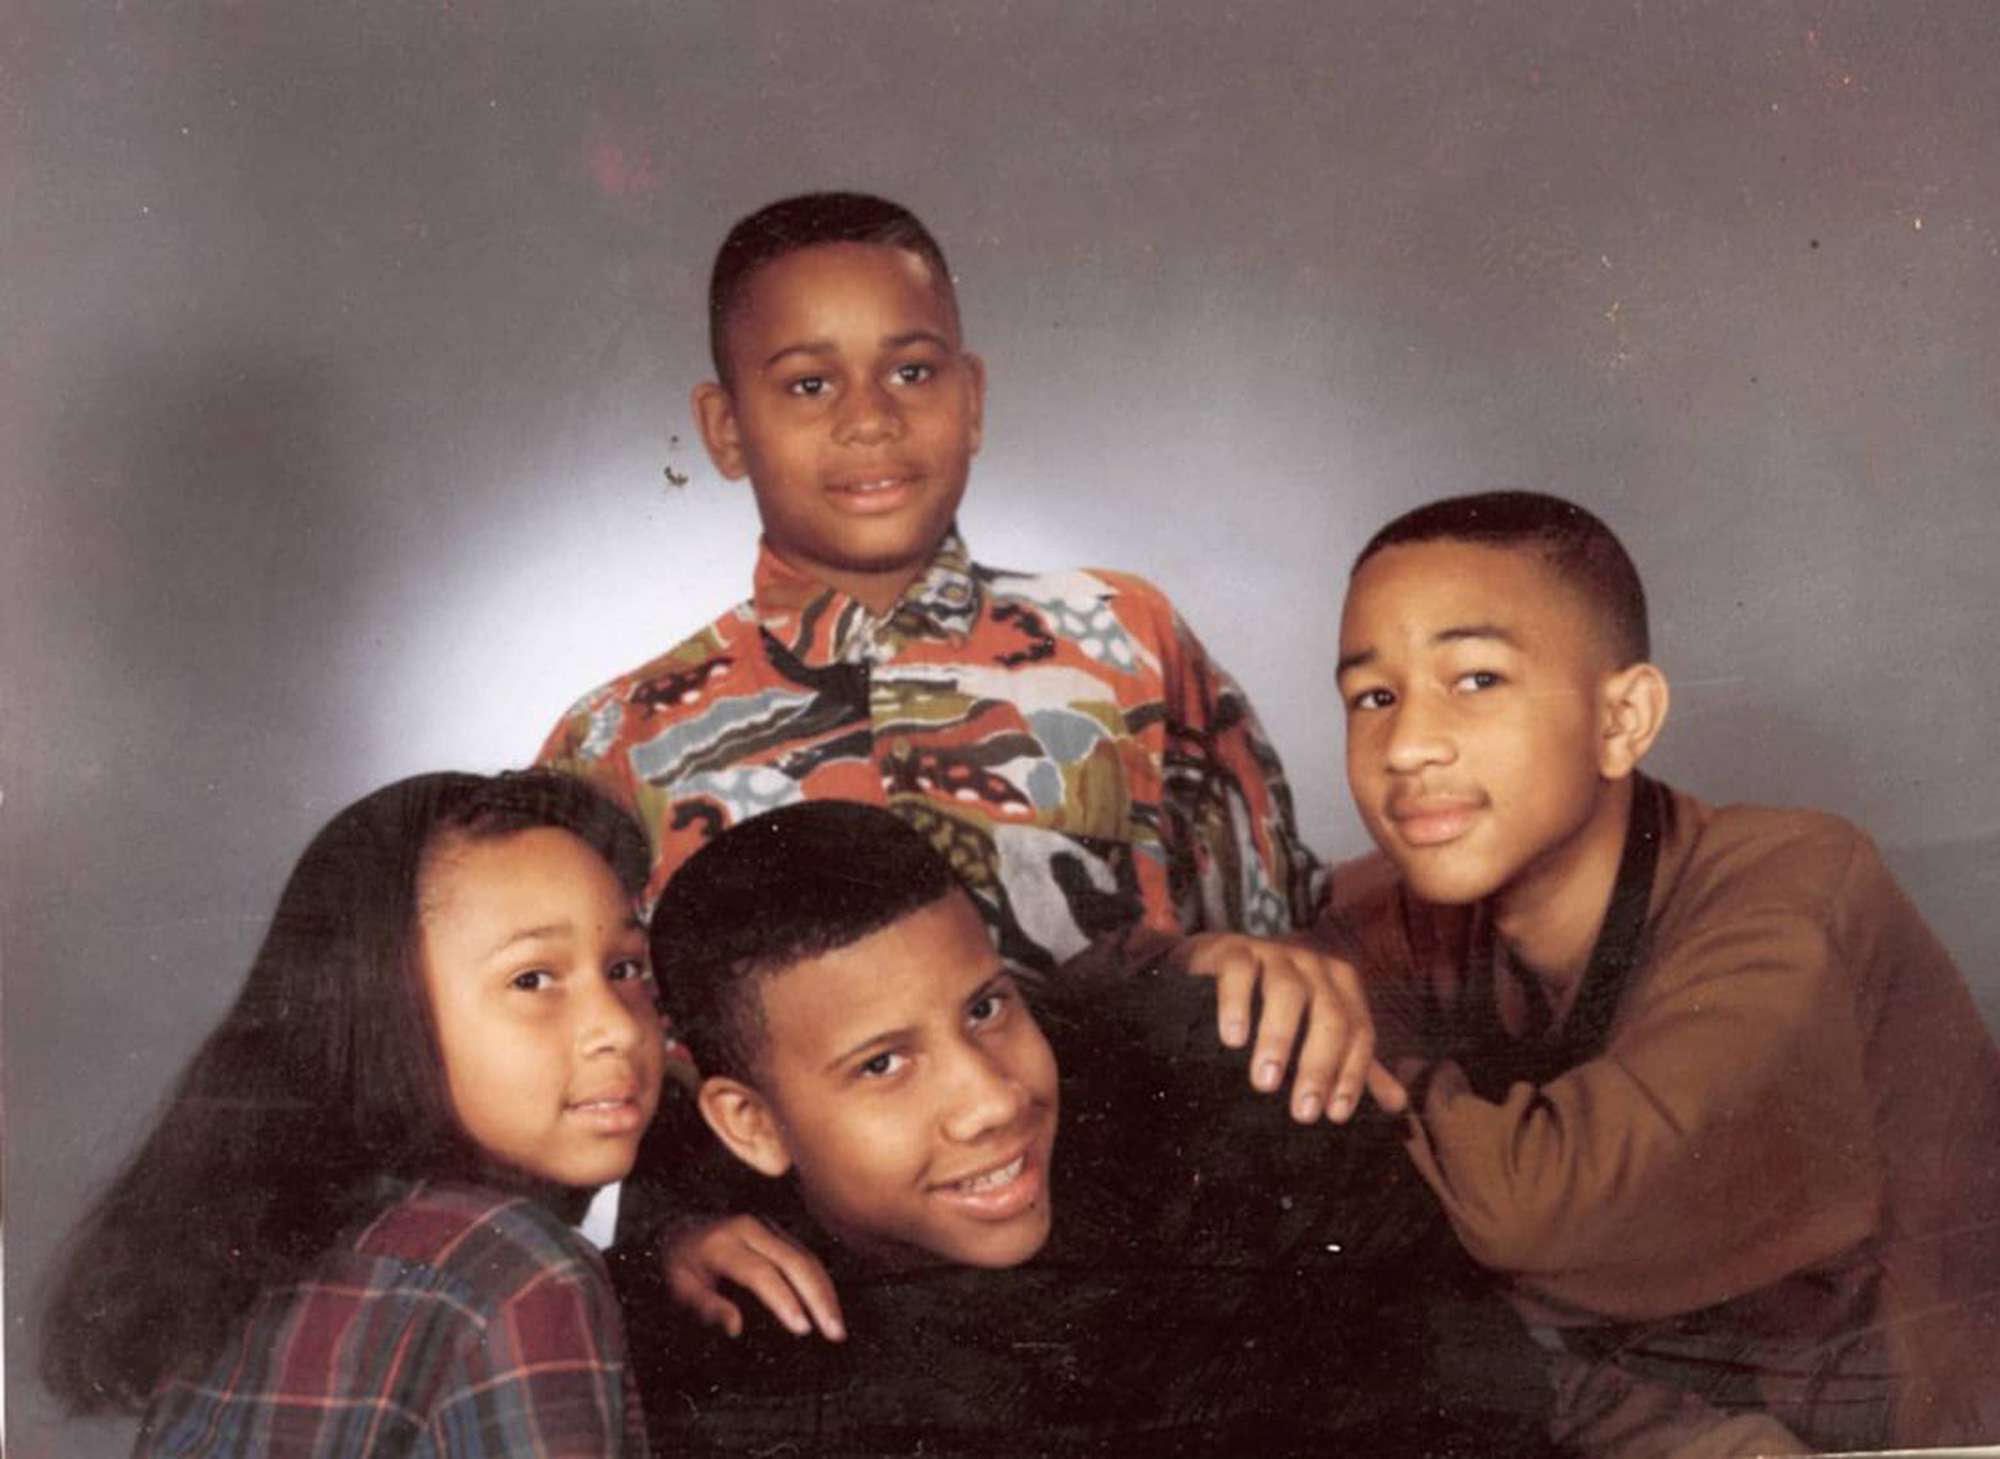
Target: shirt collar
822	625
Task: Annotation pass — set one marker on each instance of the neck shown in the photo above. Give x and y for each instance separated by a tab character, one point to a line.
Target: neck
1549	916
875	591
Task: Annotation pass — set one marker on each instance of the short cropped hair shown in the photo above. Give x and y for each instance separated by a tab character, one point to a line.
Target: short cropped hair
1576	545
791	224
769	893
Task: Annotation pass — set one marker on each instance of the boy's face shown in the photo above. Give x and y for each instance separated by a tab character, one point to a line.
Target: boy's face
537	974
1473	680
908	1085
852	409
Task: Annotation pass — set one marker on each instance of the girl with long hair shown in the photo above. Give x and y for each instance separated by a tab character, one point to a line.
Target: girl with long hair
349	1232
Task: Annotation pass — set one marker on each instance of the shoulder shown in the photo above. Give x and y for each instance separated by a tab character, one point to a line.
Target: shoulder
595	724
486	1246
1758	857
1370	918
726	638
1078	590
1117	618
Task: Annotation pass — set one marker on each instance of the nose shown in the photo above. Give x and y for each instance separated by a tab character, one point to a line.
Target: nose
1418	736
614	1016
985	1096
869	414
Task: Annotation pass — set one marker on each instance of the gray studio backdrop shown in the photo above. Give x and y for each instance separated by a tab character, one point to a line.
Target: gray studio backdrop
348	346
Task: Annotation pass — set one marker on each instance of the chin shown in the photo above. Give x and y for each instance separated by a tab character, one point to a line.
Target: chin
1017	1244
1447	886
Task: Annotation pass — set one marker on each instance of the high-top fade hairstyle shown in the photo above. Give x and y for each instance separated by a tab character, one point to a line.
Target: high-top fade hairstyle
322	1079
1578	547
790	224
768	894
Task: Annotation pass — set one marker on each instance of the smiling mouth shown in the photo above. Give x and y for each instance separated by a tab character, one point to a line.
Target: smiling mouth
1000	1194
875	493
1433	825
993	1179
612	1115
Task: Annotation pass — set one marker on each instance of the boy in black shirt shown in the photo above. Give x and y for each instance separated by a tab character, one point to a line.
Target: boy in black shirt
1220	1279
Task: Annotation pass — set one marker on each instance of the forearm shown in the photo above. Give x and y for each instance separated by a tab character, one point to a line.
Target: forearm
1602	1194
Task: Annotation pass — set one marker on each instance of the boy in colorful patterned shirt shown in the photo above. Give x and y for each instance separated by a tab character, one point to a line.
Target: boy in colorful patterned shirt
1061	737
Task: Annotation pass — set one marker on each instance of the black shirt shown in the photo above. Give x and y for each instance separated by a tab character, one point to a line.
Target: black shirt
1218	1280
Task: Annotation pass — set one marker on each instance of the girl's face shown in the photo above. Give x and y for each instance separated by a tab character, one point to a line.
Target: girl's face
536	968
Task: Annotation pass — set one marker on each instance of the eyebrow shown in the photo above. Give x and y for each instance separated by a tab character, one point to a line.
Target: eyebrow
1497	633
543	933
887	1036
822	347
549	931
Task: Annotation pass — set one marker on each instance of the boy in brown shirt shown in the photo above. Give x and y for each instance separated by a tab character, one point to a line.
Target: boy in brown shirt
1695	1083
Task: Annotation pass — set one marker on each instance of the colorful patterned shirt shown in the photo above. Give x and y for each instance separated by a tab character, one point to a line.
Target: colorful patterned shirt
460	1321
1061	736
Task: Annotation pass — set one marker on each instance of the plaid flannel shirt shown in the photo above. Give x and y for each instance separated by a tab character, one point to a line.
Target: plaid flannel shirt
460	1322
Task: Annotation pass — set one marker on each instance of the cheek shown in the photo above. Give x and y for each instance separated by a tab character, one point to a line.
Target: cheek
770	442
1033	1064
462	1053
1363	765
861	1152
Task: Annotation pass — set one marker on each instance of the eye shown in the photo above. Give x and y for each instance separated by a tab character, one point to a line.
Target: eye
988	1008
914	373
807	385
882	1065
1477	680
629	969
532	981
1371	699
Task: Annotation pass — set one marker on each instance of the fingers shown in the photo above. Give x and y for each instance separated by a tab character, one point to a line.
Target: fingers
1357	1046
768	1285
1234	968
806	1278
1387	1090
1286	997
1322	1058
707	1304
782	1275
1300	989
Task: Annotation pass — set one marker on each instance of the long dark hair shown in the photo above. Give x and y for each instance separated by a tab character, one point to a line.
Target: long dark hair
323	1079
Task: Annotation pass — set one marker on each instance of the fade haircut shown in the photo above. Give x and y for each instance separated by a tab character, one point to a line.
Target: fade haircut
1578	547
791	224
770	893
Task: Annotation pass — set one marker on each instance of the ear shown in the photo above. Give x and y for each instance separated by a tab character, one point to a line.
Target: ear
1633	703
744	1122
715	413
975	377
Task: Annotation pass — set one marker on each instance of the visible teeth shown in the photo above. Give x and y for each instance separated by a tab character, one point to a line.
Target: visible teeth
995	1178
